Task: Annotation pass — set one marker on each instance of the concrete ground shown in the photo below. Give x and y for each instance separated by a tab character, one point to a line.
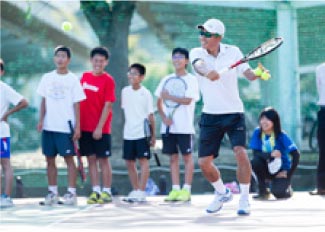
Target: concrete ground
300	213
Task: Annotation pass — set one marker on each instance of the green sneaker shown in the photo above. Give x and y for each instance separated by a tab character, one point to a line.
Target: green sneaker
184	195
104	198
93	198
172	196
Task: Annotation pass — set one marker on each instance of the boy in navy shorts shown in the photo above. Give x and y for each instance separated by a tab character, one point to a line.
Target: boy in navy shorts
181	125
61	93
95	120
137	104
7	96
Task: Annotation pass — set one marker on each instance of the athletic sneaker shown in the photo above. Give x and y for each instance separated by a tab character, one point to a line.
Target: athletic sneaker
244	208
70	199
184	195
93	198
5	201
218	201
51	198
104	198
136	196
172	196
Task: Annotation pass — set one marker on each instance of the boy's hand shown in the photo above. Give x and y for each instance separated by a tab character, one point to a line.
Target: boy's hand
153	141
76	134
39	126
97	134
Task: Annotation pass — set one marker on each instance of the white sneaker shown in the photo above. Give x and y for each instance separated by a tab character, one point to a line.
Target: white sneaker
69	199
136	196
218	201
6	202
244	208
51	198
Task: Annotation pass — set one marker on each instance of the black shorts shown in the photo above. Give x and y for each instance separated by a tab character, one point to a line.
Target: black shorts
54	143
136	149
90	146
213	128
173	143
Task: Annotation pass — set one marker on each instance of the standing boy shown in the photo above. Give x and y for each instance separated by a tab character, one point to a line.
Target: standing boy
61	93
7	96
181	125
96	118
137	104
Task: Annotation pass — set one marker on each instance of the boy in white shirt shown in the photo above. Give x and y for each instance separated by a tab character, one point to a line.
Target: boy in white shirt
61	93
137	103
7	96
181	125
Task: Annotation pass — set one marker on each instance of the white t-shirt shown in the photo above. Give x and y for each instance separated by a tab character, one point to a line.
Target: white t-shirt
183	118
320	81
7	96
221	96
137	105
60	93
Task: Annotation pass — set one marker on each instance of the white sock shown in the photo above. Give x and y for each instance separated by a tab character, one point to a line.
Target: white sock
96	189
72	190
244	192
53	189
187	187
219	186
108	190
176	187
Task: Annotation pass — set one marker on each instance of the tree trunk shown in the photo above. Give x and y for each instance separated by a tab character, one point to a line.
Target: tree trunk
111	23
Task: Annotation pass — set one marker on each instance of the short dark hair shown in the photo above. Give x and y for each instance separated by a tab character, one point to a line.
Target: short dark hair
271	114
183	51
103	51
2	65
139	67
62	48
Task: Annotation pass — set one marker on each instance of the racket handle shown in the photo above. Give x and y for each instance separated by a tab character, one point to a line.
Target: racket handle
157	159
167	130
224	70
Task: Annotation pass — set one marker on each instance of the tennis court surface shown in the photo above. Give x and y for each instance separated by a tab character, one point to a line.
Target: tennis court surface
300	213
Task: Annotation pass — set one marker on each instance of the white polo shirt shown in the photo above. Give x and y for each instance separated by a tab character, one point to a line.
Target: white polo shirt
221	96
7	96
320	82
137	105
60	93
183	118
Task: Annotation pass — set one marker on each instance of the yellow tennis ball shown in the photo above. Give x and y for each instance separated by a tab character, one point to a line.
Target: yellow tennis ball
66	26
258	71
265	76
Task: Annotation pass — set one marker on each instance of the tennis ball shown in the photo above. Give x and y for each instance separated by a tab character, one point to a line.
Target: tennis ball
265	76
258	71
66	26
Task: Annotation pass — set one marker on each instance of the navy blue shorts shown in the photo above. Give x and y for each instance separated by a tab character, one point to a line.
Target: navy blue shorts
54	143
173	143
5	147
136	149
213	127
90	146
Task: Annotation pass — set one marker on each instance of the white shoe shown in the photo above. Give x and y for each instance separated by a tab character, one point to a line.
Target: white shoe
244	208
218	201
136	196
69	199
51	198
6	202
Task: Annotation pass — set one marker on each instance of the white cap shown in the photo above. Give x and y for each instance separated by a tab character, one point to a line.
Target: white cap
214	26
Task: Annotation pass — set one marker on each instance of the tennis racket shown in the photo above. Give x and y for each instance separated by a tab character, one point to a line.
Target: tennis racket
147	134
175	86
81	170
262	50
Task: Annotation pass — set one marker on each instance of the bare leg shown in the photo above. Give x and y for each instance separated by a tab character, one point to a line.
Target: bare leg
244	169
52	171
174	168
106	169
93	170
72	171
145	172
189	167
209	170
133	173
9	176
